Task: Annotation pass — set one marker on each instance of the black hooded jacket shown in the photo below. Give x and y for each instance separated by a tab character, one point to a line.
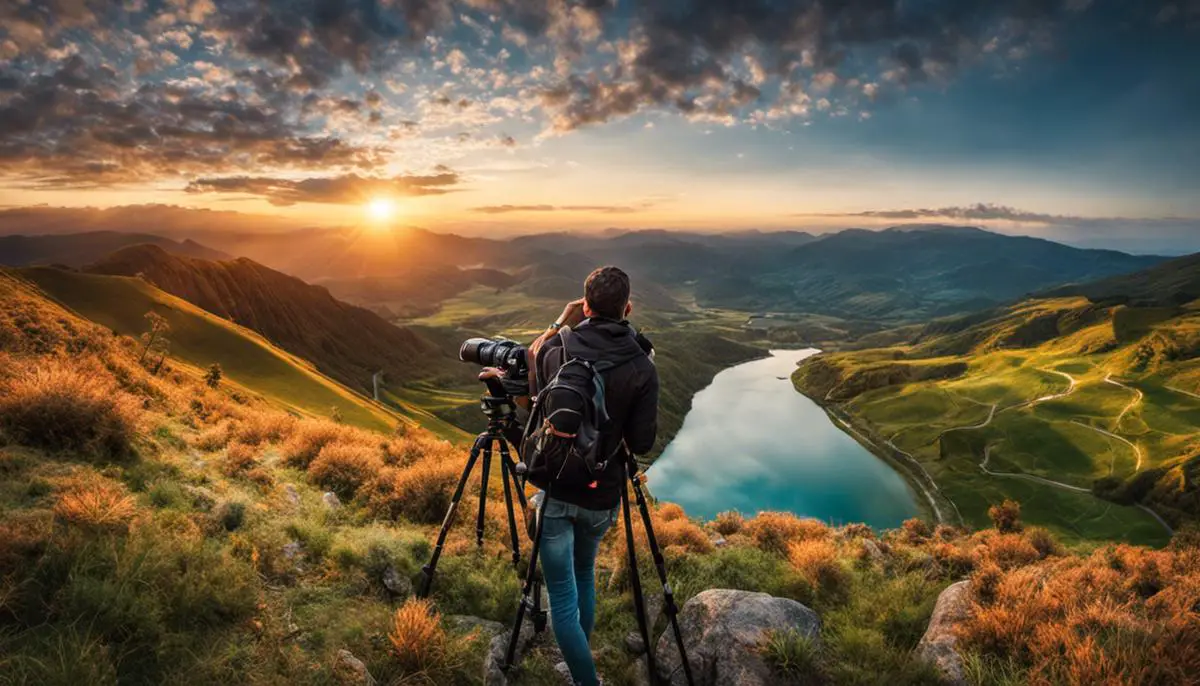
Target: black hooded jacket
631	398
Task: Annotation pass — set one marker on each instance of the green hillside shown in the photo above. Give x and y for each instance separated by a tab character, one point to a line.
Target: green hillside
1086	412
199	338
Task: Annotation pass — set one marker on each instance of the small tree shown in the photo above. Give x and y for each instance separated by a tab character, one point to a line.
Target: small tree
1006	516
154	340
212	377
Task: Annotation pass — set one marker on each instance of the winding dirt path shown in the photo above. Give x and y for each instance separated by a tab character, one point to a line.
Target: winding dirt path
1137	452
1138	395
1180	390
1072	384
987	455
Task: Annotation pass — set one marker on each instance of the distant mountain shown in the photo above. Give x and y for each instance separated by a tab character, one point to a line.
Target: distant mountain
1174	282
346	342
78	249
909	273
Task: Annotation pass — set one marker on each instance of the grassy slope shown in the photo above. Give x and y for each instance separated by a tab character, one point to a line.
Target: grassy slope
199	338
1058	438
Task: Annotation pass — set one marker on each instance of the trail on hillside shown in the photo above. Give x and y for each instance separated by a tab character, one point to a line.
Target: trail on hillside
1180	390
1138	395
970	427
987	455
1136	450
1072	385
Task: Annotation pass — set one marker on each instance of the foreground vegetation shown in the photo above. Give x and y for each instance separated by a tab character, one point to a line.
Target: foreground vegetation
155	529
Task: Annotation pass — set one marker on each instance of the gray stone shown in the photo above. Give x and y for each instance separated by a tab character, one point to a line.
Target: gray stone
718	540
722	631
292	494
872	551
938	643
492	674
565	672
634	643
641	673
354	668
331	500
395	582
465	624
292	550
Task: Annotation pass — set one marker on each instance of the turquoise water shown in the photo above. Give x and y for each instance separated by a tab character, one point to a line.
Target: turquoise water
752	443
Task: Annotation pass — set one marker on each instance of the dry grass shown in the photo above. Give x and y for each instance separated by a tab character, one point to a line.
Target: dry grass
1123	615
775	531
419	642
239	459
344	467
308	438
818	561
68	406
669	512
262	426
728	523
419	492
97	504
214	437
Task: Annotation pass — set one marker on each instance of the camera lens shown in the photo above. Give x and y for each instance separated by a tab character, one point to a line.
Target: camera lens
474	350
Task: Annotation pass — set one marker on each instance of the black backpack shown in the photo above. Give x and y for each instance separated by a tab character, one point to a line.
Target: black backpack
564	440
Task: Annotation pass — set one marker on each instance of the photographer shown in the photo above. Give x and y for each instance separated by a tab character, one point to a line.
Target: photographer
576	518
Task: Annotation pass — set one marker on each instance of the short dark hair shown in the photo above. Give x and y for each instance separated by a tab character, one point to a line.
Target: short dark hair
606	292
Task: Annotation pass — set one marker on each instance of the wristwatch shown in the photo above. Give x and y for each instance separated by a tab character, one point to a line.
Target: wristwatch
555	326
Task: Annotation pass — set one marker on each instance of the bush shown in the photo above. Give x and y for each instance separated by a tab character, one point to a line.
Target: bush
307	440
344	467
420	492
817	560
728	523
1006	516
670	512
60	406
97	504
792	655
214	437
418	640
774	531
231	514
263	426
239	458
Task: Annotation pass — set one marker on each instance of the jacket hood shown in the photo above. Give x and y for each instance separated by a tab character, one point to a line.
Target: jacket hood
598	339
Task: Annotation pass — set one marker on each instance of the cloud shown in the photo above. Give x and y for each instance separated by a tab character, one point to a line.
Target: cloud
601	209
977	212
688	55
350	189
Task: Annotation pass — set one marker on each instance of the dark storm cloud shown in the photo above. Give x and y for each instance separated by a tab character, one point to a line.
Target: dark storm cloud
349	189
77	125
688	55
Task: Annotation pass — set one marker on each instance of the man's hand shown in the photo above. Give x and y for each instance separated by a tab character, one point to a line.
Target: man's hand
572	314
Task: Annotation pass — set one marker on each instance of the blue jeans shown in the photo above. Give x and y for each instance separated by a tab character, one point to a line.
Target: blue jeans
570	539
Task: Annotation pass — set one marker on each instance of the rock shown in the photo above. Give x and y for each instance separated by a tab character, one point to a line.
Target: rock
871	551
718	540
565	672
465	624
634	643
292	494
492	674
641	673
292	550
722	630
938	643
202	498
353	668
331	500
395	582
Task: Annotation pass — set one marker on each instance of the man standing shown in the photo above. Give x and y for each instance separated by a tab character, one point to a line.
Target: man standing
575	519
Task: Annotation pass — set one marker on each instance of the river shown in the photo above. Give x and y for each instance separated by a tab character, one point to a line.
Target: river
751	442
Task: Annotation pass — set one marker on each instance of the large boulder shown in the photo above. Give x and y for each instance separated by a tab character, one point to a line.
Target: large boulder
723	631
938	643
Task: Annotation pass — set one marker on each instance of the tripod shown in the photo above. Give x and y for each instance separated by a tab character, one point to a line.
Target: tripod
501	413
531	594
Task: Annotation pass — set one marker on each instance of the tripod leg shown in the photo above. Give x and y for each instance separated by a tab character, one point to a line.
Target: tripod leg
505	475
669	606
431	567
483	486
635	580
512	471
527	590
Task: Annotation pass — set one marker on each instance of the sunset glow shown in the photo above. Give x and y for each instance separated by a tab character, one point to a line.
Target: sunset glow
381	210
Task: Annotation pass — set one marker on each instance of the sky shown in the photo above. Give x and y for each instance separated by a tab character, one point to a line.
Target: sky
1078	120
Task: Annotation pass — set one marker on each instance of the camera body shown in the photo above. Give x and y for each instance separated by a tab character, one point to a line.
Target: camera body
509	356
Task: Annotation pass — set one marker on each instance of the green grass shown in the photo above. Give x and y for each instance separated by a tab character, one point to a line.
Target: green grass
199	338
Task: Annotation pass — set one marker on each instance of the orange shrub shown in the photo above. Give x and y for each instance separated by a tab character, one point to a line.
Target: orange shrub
1005	550
239	458
817	561
419	492
1006	516
344	467
774	531
97	503
412	446
728	523
419	642
915	530
682	535
668	512
263	426
214	437
66	406
1123	615
308	438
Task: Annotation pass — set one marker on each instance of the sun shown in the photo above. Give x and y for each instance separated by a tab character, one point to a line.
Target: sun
381	209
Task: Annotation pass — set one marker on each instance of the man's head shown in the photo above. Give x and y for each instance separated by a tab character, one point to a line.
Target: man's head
606	294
